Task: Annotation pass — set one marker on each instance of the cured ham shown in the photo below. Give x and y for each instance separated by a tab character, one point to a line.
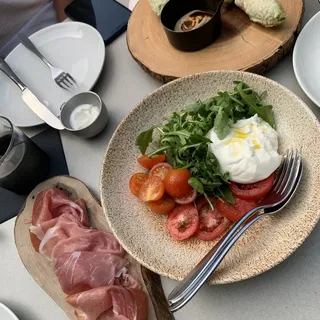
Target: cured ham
88	263
128	281
80	270
48	207
96	241
69	224
53	203
110	303
52	237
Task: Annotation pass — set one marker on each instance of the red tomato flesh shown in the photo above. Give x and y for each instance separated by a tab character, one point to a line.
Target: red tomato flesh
189	198
212	223
152	189
136	181
162	206
236	211
183	222
253	191
148	163
176	182
161	169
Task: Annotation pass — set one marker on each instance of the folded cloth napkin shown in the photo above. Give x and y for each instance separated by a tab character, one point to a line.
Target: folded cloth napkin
157	5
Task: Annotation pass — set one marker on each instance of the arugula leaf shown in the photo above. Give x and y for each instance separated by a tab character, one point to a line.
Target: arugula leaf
144	139
194	138
227	194
264	112
196	184
222	124
255	105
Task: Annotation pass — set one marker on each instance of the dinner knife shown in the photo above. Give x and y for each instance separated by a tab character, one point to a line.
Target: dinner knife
31	100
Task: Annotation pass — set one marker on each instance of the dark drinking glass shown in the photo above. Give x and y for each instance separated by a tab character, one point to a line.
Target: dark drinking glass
22	163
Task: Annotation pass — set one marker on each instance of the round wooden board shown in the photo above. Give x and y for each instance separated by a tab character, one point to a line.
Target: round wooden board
243	45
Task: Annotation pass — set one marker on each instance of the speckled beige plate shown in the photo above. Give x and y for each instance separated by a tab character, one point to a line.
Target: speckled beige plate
143	233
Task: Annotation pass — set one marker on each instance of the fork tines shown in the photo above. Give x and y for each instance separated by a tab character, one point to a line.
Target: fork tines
65	80
288	173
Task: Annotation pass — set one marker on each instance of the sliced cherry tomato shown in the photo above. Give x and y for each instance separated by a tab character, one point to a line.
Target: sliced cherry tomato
203	201
252	191
136	181
152	189
212	223
189	198
209	229
161	169
176	182
163	206
235	212
148	163
183	222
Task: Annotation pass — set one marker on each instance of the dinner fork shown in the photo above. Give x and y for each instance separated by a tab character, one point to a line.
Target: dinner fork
282	191
62	78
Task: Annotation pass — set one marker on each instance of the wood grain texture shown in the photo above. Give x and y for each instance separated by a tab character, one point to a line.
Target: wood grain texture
243	45
42	270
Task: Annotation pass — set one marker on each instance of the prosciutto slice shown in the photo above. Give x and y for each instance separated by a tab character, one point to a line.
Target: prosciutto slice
52	237
48	207
128	281
110	303
95	241
53	203
80	270
70	225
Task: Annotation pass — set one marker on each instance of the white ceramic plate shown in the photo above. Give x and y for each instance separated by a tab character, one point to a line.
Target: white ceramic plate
73	46
6	313
306	59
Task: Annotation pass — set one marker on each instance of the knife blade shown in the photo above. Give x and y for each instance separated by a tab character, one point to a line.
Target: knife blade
31	100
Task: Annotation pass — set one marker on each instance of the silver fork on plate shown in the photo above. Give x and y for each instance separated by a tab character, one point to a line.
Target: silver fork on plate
62	78
282	191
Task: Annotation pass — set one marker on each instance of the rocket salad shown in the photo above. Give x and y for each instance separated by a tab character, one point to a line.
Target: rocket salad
183	139
182	166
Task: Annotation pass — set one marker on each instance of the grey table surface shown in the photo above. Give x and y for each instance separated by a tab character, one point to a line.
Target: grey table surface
288	291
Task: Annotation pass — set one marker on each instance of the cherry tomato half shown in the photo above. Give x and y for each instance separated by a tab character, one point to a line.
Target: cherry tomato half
152	189
212	223
161	169
202	201
136	181
162	206
183	222
189	198
235	212
176	182
252	191
148	163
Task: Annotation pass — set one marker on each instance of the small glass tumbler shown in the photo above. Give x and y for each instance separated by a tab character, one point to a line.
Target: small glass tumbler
22	163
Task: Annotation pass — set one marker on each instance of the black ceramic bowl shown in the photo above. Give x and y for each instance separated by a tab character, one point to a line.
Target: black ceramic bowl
195	39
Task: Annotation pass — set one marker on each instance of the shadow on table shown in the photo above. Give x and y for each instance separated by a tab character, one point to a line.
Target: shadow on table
23	312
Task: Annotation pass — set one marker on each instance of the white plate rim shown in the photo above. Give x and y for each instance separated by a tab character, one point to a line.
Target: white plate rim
4	307
100	64
295	57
